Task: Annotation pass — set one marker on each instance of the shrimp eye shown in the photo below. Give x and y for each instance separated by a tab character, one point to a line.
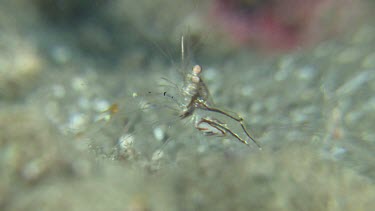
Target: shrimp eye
197	69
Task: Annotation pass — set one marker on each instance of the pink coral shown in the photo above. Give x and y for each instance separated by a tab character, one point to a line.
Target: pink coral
274	25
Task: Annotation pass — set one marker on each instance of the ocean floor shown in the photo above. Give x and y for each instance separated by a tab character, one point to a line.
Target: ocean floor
86	125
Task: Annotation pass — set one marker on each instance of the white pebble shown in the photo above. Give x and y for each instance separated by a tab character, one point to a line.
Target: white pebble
76	121
159	134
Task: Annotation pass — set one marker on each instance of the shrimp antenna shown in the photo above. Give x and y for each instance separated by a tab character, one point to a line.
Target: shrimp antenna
182	51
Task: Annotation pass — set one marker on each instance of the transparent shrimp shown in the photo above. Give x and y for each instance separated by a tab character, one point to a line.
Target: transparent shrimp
195	96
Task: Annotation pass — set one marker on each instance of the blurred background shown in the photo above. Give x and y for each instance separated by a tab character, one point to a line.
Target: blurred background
301	73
